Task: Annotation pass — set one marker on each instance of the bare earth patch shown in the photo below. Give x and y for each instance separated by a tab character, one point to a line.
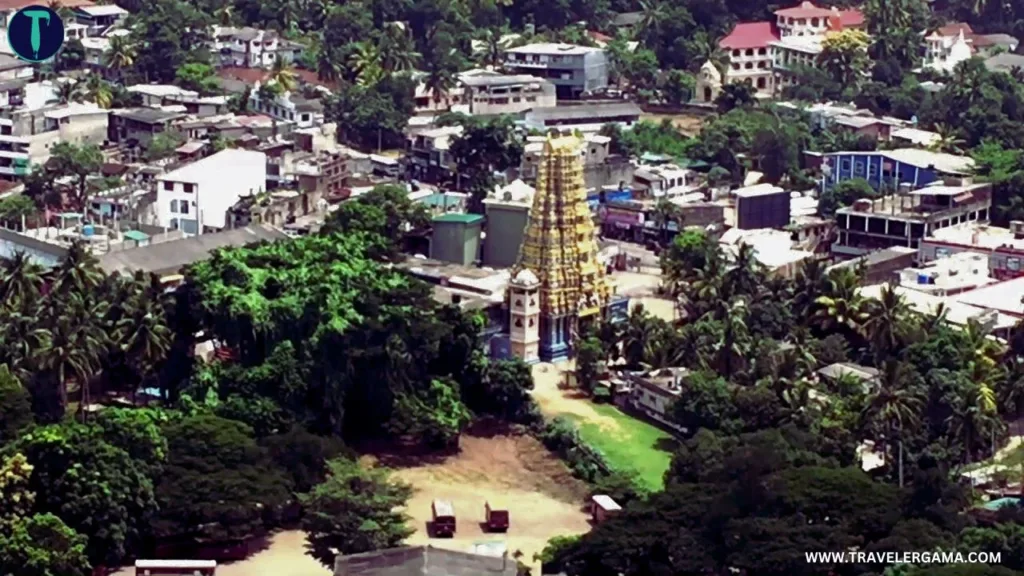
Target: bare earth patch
688	124
544	499
285	555
554	401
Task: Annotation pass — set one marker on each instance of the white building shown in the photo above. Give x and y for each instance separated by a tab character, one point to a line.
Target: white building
206	189
289	106
494	93
572	69
943	51
153	95
27	136
252	48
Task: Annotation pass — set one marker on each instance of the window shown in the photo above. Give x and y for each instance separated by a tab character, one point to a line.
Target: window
5	130
183	207
872	169
168	186
735	66
762	51
941	252
736	53
760	83
174	206
748	65
189	188
750	52
858	167
846	165
1013	264
762	65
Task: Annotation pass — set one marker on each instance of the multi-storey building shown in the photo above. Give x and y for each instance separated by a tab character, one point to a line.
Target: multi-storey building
948	45
750	54
99	19
505	94
198	196
905	219
763	54
888	169
26	136
289	106
1003	247
572	69
252	48
427	153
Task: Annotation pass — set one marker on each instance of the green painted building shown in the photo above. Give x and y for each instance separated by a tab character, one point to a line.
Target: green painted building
456	238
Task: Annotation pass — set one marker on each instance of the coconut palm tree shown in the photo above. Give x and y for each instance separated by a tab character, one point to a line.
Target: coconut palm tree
97	90
120	54
886	328
283	75
78	272
948	140
893	406
655	13
366	63
811	282
439	82
666	212
745	275
397	51
145	337
732	344
21	280
843	306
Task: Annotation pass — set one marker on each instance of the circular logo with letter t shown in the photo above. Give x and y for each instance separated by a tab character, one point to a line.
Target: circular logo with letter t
35	33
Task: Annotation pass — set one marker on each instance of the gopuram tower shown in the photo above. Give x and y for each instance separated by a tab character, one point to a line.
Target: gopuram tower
557	281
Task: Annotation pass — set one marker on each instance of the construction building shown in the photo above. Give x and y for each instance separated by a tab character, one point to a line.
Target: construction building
557	281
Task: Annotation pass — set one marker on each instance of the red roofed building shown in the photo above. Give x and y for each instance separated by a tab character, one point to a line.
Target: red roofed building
750	57
761	52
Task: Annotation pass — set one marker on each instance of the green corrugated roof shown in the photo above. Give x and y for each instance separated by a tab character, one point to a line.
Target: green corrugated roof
460	218
136	235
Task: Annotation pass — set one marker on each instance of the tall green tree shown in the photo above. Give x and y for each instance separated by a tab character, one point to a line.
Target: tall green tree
355	510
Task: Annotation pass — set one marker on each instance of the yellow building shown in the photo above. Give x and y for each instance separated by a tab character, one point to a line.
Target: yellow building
558	279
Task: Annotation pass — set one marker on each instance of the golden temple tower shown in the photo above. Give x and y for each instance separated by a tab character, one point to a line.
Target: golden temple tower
565	282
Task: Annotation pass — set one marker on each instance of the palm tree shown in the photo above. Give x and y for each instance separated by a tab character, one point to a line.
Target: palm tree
439	82
655	13
732	344
366	62
146	338
637	340
21	280
283	75
843	306
893	406
97	90
120	54
397	51
745	276
886	326
493	47
78	272
664	213
948	140
811	282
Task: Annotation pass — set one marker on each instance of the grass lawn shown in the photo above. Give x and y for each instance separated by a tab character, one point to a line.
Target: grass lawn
636	446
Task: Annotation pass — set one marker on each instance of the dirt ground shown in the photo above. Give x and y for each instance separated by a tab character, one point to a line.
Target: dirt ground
640	287
285	555
685	123
543	498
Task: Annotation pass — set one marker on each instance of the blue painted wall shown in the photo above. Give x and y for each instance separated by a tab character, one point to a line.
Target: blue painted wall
877	169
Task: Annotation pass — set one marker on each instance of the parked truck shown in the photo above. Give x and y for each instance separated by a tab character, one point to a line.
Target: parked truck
496	517
443	524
